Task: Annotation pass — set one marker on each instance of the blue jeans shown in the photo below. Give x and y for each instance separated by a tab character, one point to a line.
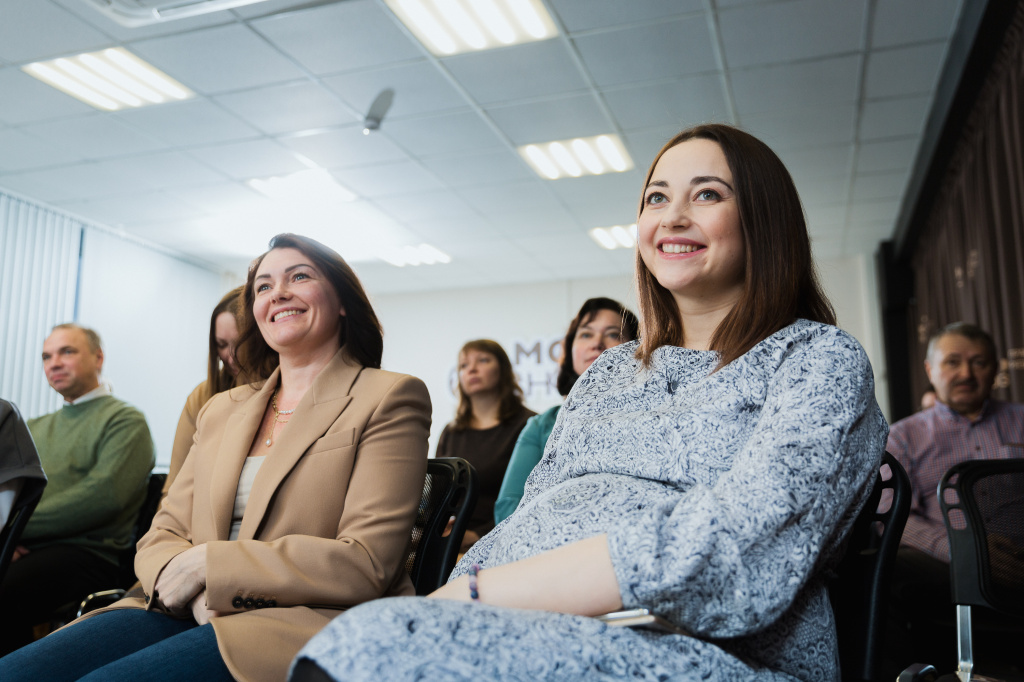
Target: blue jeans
124	645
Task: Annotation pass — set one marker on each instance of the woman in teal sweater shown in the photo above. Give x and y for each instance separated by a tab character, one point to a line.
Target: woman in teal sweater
600	324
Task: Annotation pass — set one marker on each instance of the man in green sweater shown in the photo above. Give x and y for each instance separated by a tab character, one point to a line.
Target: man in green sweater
97	454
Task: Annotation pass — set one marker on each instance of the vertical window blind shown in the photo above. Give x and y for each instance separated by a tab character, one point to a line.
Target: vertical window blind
39	266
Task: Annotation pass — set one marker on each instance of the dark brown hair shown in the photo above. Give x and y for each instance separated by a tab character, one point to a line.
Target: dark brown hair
219	378
779	284
361	333
629	328
508	388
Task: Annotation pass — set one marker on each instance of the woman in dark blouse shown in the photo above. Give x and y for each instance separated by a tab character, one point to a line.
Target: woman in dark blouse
487	422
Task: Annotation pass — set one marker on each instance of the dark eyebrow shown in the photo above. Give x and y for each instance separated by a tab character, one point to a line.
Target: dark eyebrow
288	269
700	179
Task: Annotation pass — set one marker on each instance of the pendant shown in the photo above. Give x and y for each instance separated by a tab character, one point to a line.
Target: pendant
268	442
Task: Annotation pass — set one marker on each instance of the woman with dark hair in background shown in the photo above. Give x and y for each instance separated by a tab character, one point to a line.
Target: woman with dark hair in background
600	324
296	502
709	472
487	422
222	368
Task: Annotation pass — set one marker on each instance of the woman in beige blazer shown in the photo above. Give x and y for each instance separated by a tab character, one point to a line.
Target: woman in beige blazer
240	569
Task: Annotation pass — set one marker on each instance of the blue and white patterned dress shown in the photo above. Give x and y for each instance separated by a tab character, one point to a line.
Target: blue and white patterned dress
725	497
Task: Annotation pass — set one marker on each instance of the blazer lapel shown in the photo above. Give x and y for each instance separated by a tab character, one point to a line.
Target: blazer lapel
234	447
314	415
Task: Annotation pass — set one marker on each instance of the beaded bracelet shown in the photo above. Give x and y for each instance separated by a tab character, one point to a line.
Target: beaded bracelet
474	593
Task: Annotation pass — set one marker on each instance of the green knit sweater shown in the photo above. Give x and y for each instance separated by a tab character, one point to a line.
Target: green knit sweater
97	457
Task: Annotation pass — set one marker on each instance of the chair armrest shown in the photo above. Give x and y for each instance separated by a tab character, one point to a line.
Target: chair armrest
918	672
98	600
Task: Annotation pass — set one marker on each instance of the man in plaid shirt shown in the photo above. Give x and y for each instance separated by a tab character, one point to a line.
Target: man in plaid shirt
963	424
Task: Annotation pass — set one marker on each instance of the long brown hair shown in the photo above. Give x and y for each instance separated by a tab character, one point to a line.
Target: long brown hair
780	283
630	329
510	394
361	333
219	377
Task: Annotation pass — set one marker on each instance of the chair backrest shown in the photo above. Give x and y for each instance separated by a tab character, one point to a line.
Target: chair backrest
983	506
24	505
154	493
858	593
449	491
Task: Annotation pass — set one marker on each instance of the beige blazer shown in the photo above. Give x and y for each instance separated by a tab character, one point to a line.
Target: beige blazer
328	521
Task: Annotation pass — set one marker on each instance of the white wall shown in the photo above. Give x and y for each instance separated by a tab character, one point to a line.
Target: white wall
153	314
424	332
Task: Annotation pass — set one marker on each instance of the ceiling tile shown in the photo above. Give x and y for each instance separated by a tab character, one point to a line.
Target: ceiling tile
814	162
163	170
84	11
34	30
887	155
803	127
825	217
529	220
449	134
221	59
292	107
554	119
796	86
190	123
678	103
346	147
137	207
219	197
904	71
507	74
387	179
420	88
801	29
25	152
644	145
894	117
668	49
511	196
583	15
824	190
24	99
345	36
411	208
251	159
899	22
866	212
486	168
601	200
879	186
88	181
96	136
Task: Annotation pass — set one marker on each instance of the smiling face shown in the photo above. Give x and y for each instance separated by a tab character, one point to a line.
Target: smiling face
602	331
478	372
688	233
296	308
962	372
225	331
71	367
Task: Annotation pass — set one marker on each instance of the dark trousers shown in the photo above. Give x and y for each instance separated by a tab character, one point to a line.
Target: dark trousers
921	626
42	581
123	645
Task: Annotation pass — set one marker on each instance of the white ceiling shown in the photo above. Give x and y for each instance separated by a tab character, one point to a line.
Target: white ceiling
841	89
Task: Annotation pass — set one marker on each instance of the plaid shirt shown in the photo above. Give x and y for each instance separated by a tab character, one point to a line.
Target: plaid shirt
928	443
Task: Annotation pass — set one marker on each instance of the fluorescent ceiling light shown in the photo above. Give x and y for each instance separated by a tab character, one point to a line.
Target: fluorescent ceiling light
424	254
110	79
448	27
134	13
576	157
313	185
615	237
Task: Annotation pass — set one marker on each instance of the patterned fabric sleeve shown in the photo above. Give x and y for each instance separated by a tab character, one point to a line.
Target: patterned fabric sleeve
729	559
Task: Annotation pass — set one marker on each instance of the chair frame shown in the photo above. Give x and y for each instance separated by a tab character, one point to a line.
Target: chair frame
433	554
968	551
24	504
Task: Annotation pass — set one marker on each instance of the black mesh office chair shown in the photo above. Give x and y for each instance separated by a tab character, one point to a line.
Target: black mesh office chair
24	505
982	504
858	592
449	492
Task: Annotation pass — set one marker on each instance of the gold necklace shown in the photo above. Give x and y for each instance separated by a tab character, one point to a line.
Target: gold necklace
277	419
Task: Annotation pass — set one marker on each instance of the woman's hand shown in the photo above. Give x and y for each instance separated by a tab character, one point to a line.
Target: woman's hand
199	610
182	579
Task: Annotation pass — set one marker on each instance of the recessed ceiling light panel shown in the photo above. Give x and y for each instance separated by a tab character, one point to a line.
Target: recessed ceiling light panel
615	237
448	27
576	157
109	80
134	13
